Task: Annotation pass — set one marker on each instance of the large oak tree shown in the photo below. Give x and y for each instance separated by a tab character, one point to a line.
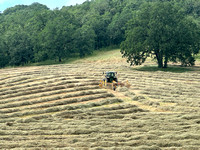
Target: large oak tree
163	31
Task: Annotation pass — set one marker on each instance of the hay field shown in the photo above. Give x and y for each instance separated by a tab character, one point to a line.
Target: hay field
62	107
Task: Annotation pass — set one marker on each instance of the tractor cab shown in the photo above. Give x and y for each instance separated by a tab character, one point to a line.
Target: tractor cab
110	77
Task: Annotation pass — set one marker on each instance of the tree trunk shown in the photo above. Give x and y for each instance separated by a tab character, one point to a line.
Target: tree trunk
60	59
166	61
159	58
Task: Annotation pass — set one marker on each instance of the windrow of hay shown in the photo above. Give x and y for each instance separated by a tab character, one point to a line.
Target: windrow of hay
70	84
47	108
50	98
62	107
49	93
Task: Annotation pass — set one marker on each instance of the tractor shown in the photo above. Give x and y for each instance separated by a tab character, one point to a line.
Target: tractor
110	81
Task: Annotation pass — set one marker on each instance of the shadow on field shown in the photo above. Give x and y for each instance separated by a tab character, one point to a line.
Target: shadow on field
173	69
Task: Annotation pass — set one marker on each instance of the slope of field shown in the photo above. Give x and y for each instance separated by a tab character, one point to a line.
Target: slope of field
62	107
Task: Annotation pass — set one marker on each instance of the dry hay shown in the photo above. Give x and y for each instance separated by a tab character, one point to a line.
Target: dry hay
62	107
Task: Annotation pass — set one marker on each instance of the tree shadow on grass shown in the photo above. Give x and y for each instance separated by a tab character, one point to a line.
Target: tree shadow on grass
173	69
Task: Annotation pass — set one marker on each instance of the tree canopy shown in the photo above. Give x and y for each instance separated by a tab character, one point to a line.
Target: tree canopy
163	31
34	33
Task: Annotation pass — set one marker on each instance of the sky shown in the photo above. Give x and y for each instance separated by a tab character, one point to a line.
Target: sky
49	3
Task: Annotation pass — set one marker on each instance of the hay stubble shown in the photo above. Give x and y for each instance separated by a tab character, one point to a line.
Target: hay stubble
61	106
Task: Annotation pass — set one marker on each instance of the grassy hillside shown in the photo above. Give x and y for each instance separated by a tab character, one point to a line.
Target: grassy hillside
62	106
96	56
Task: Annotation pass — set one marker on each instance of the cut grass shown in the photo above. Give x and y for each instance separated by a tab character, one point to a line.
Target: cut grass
62	107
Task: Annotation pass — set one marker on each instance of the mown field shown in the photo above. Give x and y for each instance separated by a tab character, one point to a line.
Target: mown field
62	107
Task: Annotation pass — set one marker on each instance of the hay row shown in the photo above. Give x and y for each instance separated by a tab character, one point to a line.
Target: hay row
47	88
35	83
69	88
48	108
51	98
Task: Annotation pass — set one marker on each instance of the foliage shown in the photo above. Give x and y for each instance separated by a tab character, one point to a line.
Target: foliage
34	33
19	47
57	36
84	40
167	34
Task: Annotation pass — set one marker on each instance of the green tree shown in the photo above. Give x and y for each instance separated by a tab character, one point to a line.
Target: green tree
163	31
84	40
19	30
4	57
19	47
34	28
116	29
57	36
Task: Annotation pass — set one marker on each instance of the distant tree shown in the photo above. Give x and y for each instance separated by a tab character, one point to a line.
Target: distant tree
20	28
19	47
99	23
101	6
15	9
84	40
4	57
116	29
34	28
160	29
38	7
34	33
57	36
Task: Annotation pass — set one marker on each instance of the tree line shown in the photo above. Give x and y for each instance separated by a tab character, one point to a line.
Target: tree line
34	33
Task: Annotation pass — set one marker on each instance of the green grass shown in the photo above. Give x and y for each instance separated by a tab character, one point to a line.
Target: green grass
105	54
173	69
102	56
197	57
54	62
112	54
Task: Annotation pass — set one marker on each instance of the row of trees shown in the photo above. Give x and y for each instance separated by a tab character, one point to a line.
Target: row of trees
35	33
